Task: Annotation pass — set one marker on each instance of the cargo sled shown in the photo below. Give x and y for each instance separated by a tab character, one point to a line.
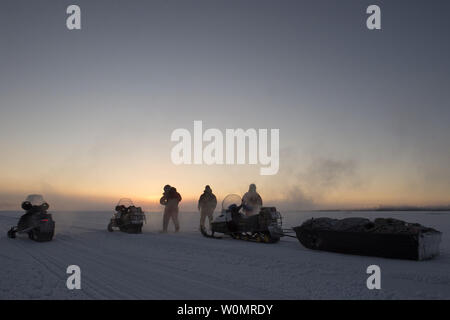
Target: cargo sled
389	238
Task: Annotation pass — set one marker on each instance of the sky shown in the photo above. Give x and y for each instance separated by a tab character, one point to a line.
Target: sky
86	115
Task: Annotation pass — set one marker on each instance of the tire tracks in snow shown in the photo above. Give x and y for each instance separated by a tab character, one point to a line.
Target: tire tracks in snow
164	278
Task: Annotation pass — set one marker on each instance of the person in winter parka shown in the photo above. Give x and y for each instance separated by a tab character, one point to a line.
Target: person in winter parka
206	204
251	201
170	200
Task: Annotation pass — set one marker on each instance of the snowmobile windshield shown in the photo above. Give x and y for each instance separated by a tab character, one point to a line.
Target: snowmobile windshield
126	202
230	200
35	199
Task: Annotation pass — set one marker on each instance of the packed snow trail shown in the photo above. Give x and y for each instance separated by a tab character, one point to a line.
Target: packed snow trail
188	266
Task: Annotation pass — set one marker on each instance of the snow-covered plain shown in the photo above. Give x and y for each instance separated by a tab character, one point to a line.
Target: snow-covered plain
188	266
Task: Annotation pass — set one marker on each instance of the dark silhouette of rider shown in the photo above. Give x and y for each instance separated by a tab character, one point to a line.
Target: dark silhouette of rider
170	200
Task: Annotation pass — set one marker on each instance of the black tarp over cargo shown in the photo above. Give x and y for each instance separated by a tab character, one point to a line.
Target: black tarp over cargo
389	238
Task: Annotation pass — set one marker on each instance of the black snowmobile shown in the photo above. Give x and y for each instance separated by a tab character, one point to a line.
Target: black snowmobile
127	218
36	222
262	227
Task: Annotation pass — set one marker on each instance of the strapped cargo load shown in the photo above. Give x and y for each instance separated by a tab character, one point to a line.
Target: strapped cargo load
389	238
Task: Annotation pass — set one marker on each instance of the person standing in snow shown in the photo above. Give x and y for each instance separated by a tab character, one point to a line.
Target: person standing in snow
251	201
170	200
206	204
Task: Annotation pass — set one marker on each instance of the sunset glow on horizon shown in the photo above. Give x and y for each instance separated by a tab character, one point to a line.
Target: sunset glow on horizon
86	117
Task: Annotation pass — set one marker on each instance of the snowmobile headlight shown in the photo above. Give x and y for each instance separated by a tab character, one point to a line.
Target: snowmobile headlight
26	205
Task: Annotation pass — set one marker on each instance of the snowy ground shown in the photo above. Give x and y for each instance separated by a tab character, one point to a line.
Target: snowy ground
188	266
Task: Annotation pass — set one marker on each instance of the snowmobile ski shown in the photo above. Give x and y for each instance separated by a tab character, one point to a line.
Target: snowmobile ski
205	233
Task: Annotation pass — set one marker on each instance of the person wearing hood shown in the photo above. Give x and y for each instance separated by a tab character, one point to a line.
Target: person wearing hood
206	205
170	200
251	201
163	200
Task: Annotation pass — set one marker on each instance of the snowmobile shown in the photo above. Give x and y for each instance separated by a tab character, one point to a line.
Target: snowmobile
36	222
127	218
262	227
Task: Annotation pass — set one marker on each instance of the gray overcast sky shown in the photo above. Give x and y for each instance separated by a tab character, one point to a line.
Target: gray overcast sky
363	115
